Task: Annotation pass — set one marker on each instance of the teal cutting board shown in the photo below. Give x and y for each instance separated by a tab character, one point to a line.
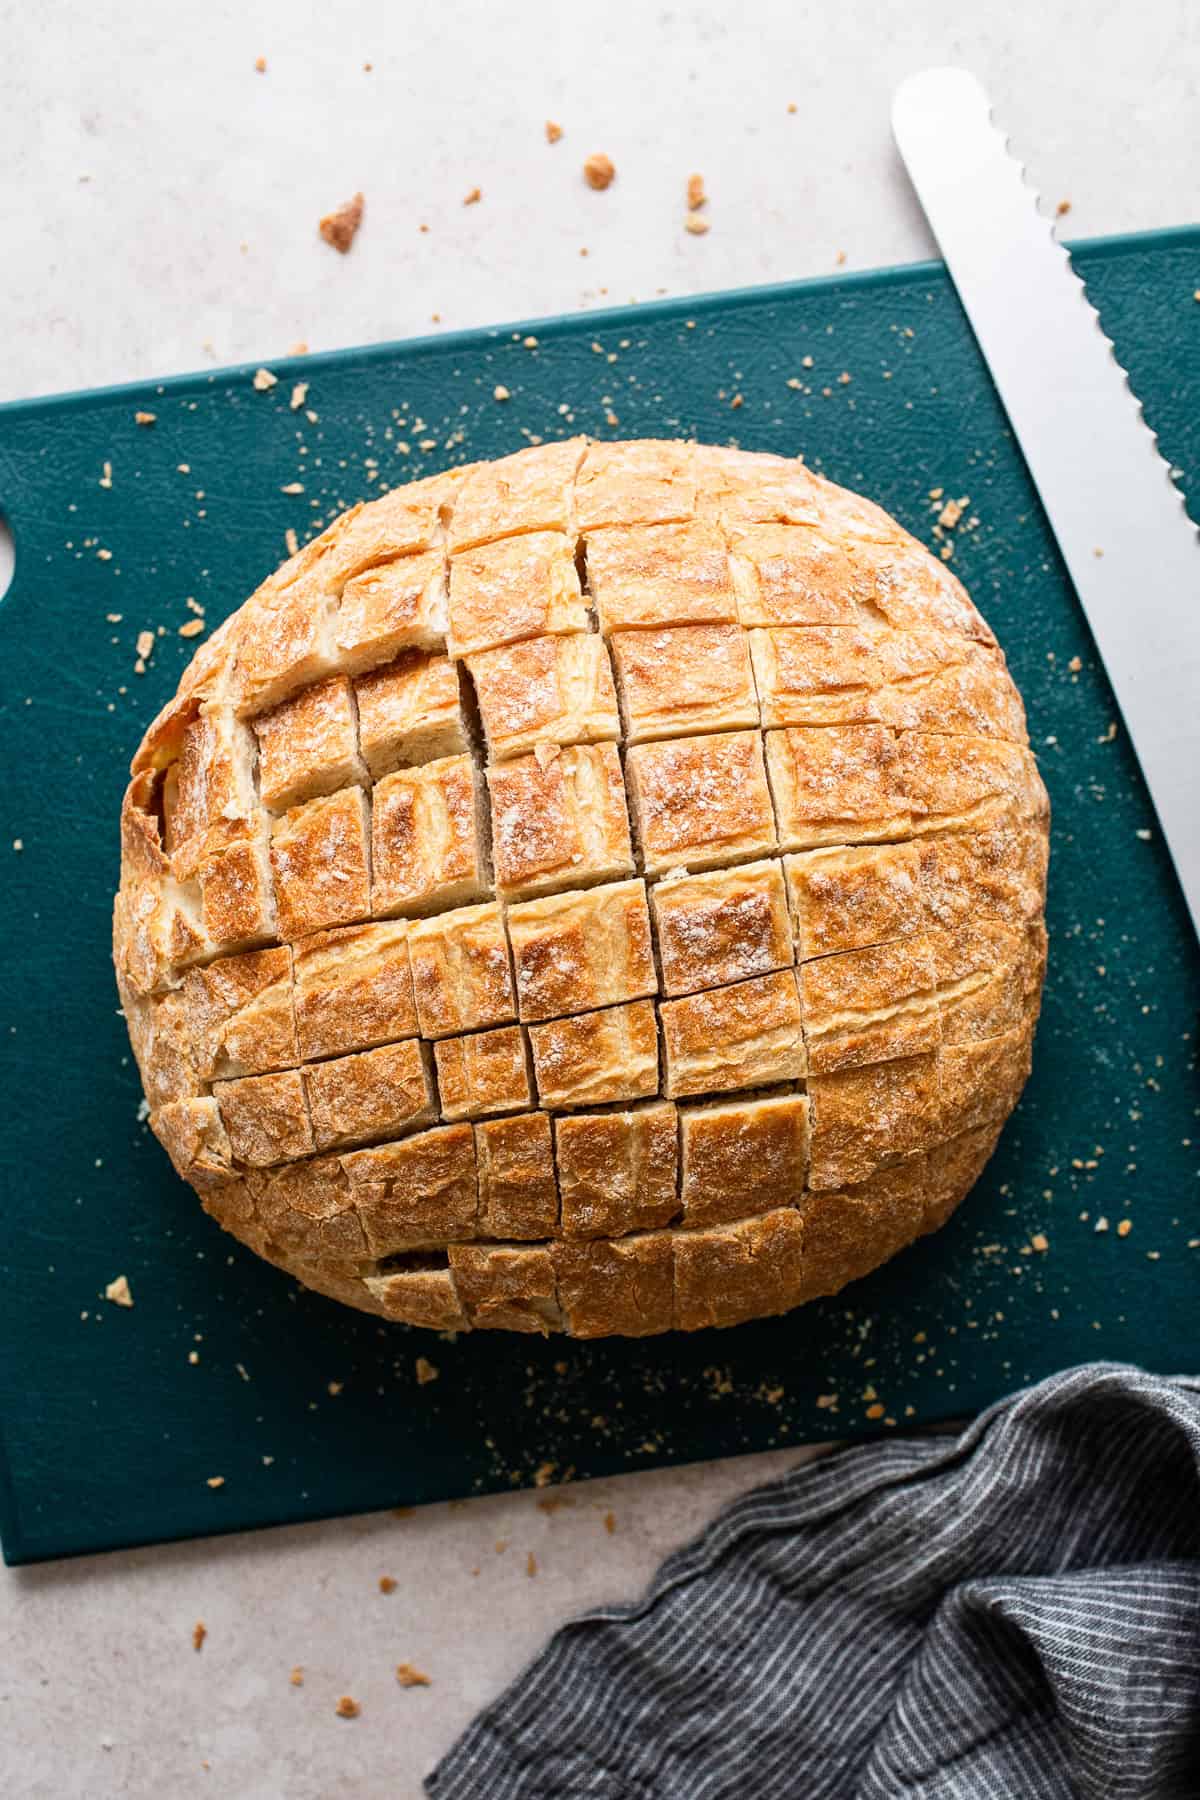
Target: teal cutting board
115	1419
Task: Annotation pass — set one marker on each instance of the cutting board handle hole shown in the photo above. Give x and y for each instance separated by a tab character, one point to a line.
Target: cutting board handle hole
8	557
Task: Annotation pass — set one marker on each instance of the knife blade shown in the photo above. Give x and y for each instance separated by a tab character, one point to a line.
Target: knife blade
1131	550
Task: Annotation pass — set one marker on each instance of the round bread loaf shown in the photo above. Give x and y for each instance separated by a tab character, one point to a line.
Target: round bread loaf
596	891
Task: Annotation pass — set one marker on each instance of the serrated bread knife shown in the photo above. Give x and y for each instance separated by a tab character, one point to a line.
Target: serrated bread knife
1132	552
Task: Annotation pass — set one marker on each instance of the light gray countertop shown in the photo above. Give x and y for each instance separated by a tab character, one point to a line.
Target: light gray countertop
160	214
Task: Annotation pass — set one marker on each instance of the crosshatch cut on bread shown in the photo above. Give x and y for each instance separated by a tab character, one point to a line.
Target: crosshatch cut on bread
597	891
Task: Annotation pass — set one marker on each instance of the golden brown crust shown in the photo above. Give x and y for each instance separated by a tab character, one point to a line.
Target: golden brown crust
743	1036
353	989
594	1057
741	1157
410	712
321	861
700	801
427	846
484	1072
373	1094
309	746
516	773
545	690
623	1286
559	820
520	587
460	971
721	927
518	1191
506	1290
576	952
617	1171
647	575
729	1273
682	679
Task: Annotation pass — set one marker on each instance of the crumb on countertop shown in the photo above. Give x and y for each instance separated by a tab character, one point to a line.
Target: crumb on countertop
474	197
599	171
215	1481
553	131
264	380
610	1522
697	225
144	418
299	395
118	1292
296	1678
426	1371
531	1564
409	1676
696	196
199	1633
260	64
347	1708
340	227
387	1584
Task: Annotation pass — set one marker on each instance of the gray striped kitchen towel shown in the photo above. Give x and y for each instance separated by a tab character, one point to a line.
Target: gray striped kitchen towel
1012	1614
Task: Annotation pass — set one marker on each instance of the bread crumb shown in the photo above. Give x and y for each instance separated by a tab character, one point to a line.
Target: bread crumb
531	1564
193	1356
199	1633
474	197
826	1401
118	1292
599	171
791	106
292	487
340	227
191	628
144	418
1063	207
1040	1241
297	1676
299	395
696	225
876	1411
806	362
104	555
408	1675
839	259
553	131
300	348
1125	1227
263	379
215	1481
696	196
500	392
387	1584
426	1371
291	540
18	843
347	1708
610	1522
260	64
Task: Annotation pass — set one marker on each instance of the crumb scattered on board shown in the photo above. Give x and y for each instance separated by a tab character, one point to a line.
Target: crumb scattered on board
408	1675
696	196
474	197
264	380
340	227
144	418
296	1677
387	1584
260	64
531	1564
1063	207
553	131
215	1481
199	1633
610	1522
118	1291
347	1708
599	171
426	1371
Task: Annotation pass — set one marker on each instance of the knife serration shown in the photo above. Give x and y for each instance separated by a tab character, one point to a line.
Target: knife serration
1132	552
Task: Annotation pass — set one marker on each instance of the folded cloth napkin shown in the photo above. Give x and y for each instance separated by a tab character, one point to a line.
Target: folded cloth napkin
1013	1614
